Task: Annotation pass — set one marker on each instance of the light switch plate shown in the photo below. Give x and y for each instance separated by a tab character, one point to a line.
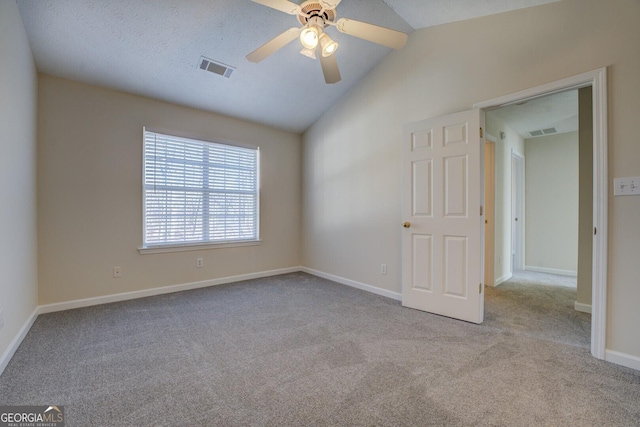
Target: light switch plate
626	186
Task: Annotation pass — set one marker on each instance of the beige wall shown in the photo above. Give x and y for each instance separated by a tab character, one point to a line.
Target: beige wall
18	239
90	193
352	154
551	203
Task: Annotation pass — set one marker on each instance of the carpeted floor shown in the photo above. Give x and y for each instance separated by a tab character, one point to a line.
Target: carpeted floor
539	305
297	350
536	278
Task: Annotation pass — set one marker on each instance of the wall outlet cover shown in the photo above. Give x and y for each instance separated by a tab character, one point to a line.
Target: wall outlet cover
626	186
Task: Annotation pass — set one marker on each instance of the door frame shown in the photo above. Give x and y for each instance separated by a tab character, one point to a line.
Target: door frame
597	79
517	211
489	210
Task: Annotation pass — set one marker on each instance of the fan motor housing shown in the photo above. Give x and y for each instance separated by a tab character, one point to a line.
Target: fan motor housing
313	9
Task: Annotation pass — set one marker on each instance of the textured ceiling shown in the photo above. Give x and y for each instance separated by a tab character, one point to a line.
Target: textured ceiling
153	47
559	110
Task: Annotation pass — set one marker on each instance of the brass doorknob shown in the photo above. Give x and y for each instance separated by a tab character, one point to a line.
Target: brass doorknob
406	224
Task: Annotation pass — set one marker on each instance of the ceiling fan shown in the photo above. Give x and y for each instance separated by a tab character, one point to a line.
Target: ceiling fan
315	16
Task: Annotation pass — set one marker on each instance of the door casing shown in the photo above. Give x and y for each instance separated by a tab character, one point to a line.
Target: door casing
489	210
517	211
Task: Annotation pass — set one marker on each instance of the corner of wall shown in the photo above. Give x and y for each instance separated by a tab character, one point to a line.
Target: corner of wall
18	225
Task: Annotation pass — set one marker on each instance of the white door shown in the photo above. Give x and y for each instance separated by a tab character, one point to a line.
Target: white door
442	240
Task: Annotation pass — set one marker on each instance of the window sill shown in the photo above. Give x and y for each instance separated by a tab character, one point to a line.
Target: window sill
196	247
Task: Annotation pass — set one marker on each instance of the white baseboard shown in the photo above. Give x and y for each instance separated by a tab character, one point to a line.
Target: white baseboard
17	340
125	296
557	271
358	285
501	280
622	359
585	308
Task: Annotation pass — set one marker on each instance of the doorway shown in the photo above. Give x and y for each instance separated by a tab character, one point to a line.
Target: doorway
543	238
597	81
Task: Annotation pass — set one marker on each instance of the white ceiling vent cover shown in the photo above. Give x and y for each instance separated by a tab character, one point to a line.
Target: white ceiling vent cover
215	67
543	132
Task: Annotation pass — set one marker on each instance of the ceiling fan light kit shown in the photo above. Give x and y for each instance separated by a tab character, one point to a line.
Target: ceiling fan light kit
327	44
309	53
315	16
309	36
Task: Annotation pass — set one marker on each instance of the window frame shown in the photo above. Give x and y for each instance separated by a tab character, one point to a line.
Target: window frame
146	248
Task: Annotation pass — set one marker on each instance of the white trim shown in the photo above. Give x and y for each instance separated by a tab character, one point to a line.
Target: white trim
574	82
518	261
490	137
584	308
17	340
597	79
600	211
622	359
557	271
358	285
125	296
501	280
489	230
196	247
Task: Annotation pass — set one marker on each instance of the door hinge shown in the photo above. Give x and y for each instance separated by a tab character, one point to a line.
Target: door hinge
481	133
595	231
481	210
480	288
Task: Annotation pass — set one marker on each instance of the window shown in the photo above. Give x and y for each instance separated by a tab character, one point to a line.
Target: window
197	192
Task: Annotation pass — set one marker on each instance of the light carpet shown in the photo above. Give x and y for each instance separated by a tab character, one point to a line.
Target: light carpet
297	350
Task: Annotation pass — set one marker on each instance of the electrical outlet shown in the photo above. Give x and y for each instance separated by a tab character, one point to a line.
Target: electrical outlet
117	272
199	262
1	319
383	268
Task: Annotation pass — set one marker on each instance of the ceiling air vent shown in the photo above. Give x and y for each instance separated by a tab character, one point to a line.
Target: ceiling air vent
543	132
216	67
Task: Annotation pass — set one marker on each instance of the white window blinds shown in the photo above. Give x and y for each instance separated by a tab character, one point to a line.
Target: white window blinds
198	192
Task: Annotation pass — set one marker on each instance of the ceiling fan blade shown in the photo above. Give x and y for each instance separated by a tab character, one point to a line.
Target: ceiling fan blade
281	5
274	44
329	4
330	68
373	33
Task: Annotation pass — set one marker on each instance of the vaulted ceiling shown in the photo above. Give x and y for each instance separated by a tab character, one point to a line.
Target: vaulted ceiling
154	49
